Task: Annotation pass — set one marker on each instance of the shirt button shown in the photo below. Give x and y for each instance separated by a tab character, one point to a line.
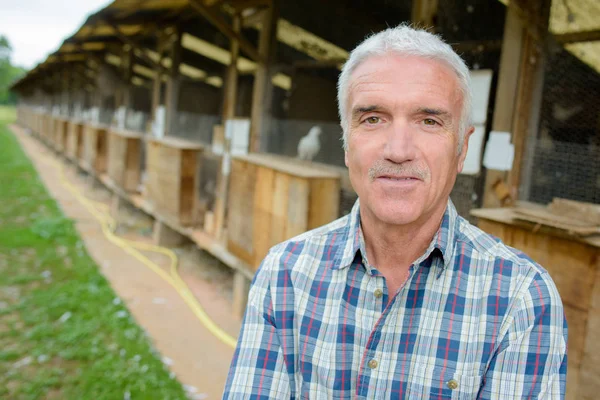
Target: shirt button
373	364
452	384
378	293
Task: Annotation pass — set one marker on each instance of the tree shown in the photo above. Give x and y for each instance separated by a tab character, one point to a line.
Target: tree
8	72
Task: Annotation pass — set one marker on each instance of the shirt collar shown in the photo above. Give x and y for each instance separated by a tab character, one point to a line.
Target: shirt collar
443	240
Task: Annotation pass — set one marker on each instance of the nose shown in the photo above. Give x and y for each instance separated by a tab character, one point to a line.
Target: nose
400	143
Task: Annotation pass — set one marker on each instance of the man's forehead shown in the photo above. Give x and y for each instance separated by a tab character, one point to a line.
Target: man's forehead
373	81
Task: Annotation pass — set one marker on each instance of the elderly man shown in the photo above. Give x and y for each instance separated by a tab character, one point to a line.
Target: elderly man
402	298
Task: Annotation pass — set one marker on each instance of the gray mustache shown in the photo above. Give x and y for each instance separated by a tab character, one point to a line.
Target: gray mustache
387	168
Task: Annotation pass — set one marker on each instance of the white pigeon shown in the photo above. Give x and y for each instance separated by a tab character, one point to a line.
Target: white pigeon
309	145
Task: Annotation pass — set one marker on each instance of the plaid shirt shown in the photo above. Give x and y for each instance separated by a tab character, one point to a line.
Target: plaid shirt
475	319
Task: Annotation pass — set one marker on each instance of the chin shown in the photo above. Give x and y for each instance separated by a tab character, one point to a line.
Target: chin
397	212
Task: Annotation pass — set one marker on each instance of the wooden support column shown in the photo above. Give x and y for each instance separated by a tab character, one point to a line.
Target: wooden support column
173	82
157	89
424	13
163	235
529	95
127	75
263	88
229	103
506	92
517	104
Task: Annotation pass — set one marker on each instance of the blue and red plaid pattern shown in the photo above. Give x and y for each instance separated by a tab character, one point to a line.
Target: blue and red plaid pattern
475	319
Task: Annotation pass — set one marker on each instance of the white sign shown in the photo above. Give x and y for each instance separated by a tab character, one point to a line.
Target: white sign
499	152
473	160
238	132
158	125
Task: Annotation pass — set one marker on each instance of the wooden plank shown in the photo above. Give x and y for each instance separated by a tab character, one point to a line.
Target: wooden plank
262	212
324	201
547	218
239	225
276	232
132	166
297	207
226	29
576	210
289	166
589	374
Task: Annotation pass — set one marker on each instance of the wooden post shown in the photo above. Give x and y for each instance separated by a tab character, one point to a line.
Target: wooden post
506	92
529	98
424	13
163	235
157	88
228	113
127	75
173	82
518	97
263	88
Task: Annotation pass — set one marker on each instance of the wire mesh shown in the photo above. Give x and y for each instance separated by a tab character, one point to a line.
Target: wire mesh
195	127
565	150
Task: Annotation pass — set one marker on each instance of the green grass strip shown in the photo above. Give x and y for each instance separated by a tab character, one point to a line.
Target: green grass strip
64	334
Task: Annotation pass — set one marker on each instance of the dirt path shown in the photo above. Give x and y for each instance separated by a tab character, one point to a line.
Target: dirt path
198	358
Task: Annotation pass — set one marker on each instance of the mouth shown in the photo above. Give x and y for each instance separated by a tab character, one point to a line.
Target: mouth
398	178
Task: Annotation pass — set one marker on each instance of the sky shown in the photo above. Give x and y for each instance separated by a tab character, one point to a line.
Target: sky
36	28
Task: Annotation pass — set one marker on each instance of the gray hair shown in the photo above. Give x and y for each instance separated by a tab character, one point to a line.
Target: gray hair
407	41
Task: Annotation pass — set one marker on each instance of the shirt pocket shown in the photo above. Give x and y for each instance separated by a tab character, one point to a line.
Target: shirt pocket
437	382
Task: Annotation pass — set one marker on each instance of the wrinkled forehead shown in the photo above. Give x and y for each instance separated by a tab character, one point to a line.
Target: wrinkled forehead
397	74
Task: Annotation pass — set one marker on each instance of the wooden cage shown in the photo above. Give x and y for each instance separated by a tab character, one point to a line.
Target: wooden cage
74	140
95	148
574	265
172	174
124	158
60	134
274	198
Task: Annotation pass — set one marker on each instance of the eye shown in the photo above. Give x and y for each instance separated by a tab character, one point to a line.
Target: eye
429	121
372	120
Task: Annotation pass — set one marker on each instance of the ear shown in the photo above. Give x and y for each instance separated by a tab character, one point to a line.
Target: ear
465	148
346	157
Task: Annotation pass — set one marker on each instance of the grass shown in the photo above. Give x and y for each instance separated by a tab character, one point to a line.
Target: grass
8	114
63	332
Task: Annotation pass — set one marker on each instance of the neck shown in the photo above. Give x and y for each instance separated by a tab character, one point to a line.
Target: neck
393	247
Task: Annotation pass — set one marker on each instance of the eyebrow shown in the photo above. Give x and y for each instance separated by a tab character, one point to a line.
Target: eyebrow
434	111
357	111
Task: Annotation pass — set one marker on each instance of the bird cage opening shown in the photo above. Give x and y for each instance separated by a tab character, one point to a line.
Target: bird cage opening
210	168
317	141
564	151
194	126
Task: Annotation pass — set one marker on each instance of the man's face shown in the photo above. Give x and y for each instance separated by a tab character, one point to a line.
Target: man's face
403	137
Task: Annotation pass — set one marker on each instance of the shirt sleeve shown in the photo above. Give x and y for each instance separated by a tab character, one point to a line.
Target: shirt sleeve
258	368
531	361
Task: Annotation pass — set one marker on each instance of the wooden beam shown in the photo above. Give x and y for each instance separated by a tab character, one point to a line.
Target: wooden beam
262	93
134	45
577	37
216	20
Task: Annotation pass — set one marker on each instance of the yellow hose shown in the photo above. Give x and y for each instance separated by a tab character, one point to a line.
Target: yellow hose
108	226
